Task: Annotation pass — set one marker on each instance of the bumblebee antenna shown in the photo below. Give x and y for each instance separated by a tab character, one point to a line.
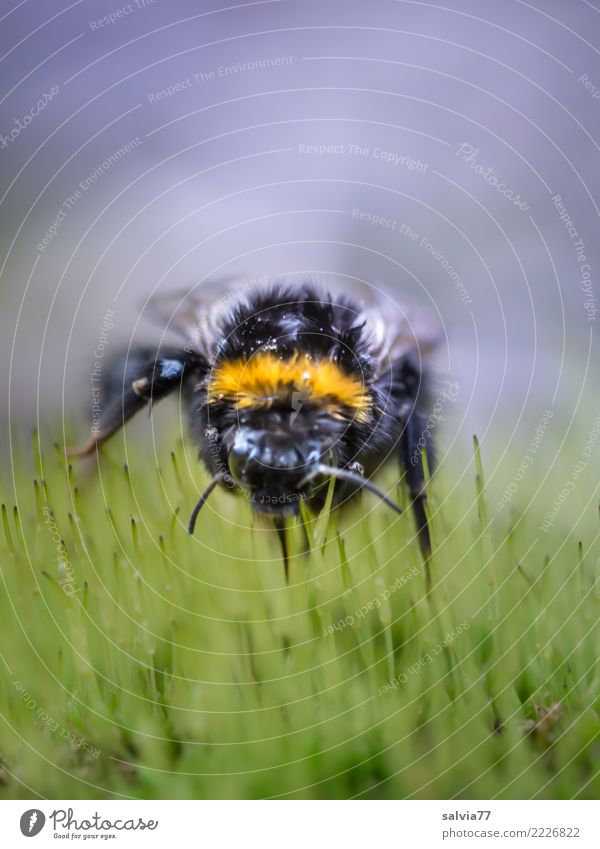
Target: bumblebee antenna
202	500
351	477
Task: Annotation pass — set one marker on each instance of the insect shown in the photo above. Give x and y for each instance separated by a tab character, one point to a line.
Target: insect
288	387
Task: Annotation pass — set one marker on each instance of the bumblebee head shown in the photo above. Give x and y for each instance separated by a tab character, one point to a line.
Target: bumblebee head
276	459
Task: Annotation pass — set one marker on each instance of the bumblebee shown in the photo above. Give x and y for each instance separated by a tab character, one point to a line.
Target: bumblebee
289	387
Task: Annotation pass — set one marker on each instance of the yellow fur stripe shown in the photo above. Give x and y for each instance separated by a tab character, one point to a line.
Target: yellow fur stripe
265	379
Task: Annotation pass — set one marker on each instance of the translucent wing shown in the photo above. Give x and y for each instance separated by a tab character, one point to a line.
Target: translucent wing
395	326
195	314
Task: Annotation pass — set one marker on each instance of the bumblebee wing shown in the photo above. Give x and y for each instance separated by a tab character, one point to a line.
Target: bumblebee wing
195	313
396	326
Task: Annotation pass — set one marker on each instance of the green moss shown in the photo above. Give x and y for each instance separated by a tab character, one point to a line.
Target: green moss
186	667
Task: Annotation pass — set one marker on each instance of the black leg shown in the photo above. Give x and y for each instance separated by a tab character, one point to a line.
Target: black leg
412	441
283	541
131	383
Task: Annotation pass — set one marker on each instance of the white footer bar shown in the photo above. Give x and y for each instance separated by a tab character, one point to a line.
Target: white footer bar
300	824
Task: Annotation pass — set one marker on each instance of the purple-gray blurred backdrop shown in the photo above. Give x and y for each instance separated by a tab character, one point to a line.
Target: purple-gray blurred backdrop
147	146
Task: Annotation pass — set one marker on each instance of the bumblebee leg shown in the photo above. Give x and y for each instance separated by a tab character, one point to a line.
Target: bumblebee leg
412	439
113	418
141	378
283	541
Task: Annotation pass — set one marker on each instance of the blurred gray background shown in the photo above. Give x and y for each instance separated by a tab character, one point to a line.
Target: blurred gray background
183	140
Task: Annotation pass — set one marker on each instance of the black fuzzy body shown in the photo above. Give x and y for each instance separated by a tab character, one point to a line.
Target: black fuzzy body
301	319
281	454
